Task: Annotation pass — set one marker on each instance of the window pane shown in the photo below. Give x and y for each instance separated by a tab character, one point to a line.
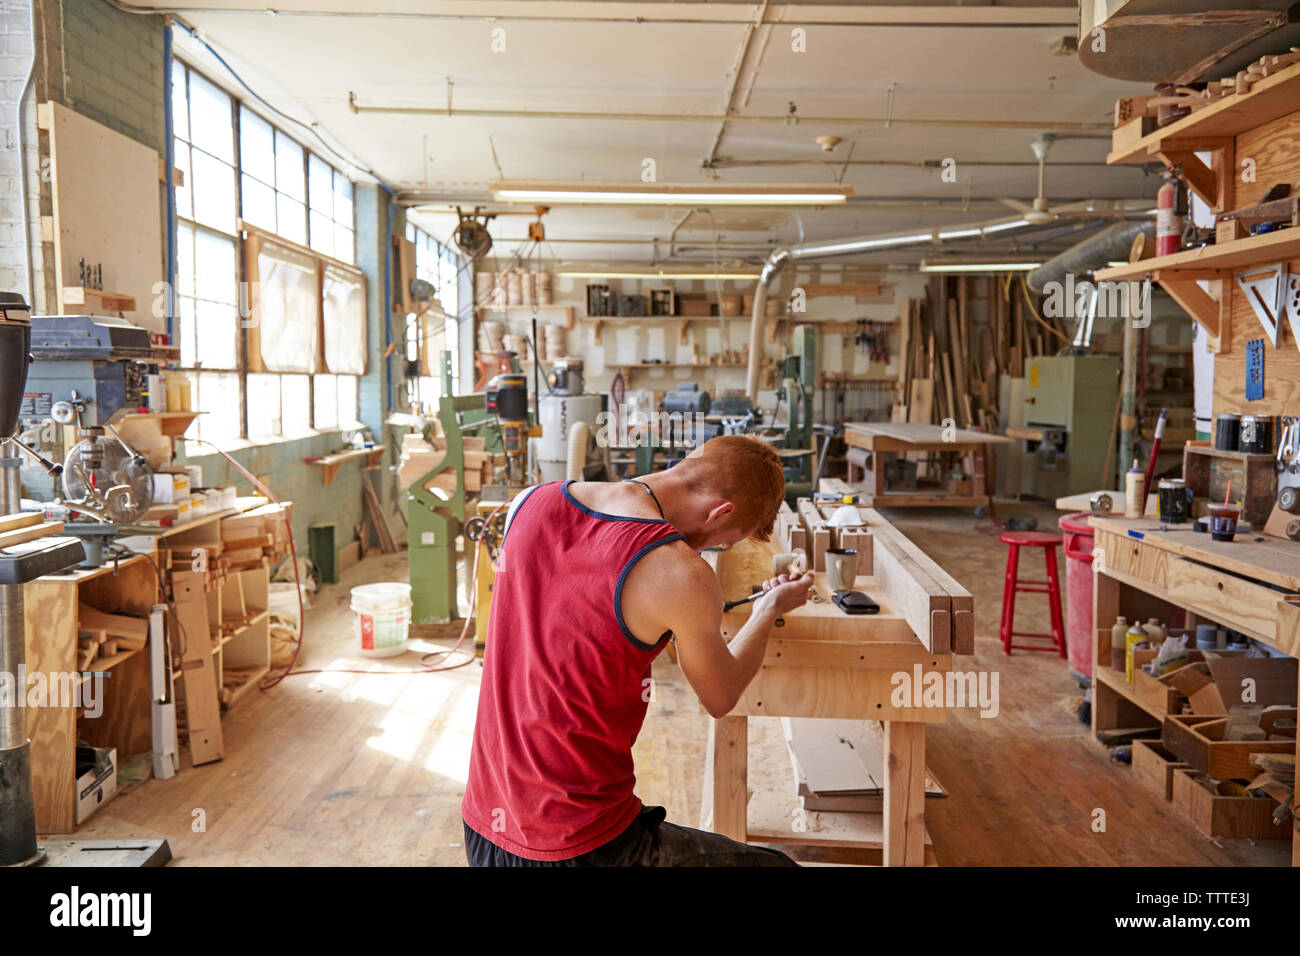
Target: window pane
215	327
185	330
345	246
263	406
214	192
256	147
217	394
214	267
288	167
259	204
181	187
343	199
348	388
322	233
320	185
327	401
290	219
180	103
210	123
295	403
184	259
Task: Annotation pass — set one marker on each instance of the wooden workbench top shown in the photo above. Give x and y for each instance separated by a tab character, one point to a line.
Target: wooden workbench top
918	434
1257	556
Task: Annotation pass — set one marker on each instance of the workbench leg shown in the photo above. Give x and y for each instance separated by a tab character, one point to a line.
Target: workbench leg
904	793
730	740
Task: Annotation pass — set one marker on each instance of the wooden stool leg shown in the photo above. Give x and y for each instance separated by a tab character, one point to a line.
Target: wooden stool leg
1009	596
1054	599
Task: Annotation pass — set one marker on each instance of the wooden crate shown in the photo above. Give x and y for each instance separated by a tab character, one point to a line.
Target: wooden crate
1225	816
1250	480
1199	742
1154	765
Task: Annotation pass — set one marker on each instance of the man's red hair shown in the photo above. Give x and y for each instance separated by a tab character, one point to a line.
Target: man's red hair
745	471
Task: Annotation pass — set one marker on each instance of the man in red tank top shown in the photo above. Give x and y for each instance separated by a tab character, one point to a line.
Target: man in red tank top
592	580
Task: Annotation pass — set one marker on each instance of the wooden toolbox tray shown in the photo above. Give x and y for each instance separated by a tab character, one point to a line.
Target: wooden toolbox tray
1154	765
1225	816
1198	741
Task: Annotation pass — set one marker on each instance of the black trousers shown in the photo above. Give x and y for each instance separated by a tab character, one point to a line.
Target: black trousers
648	841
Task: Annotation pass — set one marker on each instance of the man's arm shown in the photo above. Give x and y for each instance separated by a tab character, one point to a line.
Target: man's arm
719	671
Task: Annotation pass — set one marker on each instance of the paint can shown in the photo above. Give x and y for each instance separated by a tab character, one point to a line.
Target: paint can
381	617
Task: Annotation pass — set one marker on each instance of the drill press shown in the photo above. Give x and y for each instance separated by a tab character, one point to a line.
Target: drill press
18	565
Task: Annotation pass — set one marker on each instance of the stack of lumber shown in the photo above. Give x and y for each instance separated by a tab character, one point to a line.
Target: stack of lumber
788	531
26	526
255	538
418	458
957	343
101	635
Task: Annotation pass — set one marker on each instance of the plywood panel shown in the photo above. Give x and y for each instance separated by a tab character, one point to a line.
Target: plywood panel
107	210
1275	148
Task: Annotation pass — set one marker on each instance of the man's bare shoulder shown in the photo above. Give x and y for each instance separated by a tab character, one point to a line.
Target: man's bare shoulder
679	566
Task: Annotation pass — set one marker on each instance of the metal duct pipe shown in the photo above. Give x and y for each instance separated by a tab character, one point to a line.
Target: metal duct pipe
779	258
1113	242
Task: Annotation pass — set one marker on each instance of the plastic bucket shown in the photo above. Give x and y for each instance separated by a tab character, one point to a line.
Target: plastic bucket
1077	529
381	615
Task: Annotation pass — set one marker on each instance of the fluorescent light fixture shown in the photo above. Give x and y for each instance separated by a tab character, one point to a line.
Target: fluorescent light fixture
958	234
670	194
960	266
657	276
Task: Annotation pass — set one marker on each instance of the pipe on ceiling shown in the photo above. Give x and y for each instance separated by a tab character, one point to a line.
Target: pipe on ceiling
780	258
1113	242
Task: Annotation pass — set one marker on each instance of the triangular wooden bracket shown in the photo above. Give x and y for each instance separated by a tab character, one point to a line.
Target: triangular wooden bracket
1210	183
1291	305
1196	302
1265	288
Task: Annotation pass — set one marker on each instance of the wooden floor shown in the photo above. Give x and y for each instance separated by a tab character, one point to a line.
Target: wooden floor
369	769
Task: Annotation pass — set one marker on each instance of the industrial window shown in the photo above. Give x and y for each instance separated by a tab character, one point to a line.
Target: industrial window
427	336
245	186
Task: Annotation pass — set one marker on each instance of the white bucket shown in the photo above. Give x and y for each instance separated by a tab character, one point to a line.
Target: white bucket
381	614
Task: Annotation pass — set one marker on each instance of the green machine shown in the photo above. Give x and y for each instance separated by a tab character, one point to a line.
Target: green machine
434	522
798	387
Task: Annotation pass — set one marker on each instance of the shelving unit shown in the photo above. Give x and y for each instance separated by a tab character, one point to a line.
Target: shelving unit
330	464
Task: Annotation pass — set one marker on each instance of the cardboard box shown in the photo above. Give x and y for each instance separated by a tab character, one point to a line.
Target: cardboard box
96	787
170	486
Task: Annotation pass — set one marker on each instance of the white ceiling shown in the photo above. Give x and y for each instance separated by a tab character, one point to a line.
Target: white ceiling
681	59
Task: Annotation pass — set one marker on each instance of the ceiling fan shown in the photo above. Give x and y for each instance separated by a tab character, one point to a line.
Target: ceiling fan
1039	212
471	235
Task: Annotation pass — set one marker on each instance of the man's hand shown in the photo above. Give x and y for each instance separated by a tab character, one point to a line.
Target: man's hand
784	593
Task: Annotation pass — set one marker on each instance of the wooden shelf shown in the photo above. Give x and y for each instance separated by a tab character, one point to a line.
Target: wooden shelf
108	301
632	365
569	311
332	463
171	424
1214	261
1271	98
1212	452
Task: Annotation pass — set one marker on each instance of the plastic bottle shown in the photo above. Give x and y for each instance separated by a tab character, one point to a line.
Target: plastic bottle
1118	640
1134	492
1134	637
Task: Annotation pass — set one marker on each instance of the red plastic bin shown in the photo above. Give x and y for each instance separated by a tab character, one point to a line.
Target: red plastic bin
1077	530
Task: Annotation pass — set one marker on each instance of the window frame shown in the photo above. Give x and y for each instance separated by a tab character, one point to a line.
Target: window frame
179	85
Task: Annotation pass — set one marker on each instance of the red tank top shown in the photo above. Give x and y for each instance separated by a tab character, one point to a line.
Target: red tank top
565	684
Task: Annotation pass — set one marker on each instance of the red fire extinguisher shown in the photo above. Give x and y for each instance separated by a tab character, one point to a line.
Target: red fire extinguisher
1169	221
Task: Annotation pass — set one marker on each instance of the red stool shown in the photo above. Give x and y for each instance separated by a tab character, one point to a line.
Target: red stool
1015	540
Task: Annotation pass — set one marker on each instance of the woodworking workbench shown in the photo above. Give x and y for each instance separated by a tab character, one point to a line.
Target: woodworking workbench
823	663
1249	585
877	438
